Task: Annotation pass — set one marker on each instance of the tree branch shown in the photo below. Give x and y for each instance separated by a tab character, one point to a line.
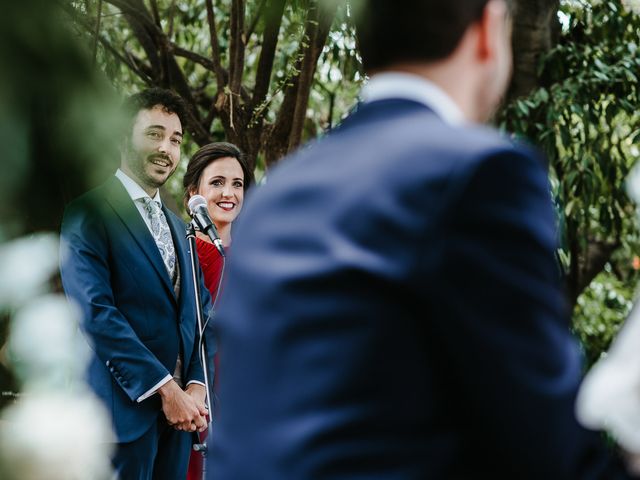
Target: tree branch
156	12
318	26
97	33
296	96
134	64
206	63
166	70
236	46
145	31
254	22
268	52
215	47
172	16
134	8
213	113
193	56
535	23
592	262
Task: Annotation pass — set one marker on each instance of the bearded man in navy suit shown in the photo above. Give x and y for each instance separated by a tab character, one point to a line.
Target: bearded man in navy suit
393	309
125	262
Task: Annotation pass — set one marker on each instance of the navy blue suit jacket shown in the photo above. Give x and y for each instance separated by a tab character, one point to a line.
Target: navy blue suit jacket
394	311
135	324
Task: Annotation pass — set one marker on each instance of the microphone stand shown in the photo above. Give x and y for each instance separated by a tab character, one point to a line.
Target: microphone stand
191	238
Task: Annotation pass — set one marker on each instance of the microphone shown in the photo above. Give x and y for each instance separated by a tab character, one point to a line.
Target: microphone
198	211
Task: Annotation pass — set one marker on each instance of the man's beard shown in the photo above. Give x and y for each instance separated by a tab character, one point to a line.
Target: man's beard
139	168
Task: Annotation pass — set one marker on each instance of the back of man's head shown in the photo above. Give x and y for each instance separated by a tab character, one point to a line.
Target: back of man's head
412	31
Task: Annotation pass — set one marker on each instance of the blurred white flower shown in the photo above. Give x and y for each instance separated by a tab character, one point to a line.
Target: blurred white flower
632	6
609	398
633	184
57	437
47	349
26	265
58	429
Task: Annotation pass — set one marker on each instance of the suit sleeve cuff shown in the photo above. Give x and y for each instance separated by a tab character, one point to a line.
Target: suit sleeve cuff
154	389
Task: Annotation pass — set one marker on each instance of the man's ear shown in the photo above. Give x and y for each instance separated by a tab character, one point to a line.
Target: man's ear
491	27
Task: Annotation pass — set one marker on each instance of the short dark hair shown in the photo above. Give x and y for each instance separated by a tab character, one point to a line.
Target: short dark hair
170	101
420	30
207	155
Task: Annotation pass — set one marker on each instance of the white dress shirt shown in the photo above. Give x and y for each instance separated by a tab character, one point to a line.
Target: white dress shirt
136	192
413	87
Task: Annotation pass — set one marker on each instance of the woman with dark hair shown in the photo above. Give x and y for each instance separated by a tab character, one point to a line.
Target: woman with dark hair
220	173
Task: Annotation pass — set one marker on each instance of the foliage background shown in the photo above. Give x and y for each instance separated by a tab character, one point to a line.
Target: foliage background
584	117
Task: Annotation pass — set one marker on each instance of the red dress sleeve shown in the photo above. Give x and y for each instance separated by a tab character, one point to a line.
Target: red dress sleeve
211	265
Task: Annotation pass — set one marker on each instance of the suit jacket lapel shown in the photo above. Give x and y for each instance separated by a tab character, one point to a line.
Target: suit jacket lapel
127	211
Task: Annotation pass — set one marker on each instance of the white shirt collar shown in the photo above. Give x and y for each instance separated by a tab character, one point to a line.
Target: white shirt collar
413	87
135	191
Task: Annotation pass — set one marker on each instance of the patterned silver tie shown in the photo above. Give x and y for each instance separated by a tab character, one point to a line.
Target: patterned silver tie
161	233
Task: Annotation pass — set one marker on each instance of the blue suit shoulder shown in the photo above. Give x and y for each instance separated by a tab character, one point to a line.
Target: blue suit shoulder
403	134
85	211
93	199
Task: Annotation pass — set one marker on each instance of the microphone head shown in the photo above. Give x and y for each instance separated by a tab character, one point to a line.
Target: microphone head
195	202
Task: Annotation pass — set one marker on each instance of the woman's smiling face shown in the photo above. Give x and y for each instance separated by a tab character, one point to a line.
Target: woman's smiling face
222	185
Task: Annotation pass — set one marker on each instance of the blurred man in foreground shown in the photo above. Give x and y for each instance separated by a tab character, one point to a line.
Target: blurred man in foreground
395	309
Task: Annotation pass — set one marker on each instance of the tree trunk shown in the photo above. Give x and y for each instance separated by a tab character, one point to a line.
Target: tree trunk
535	32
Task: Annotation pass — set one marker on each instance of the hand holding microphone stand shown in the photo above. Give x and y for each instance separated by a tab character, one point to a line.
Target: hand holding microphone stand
202	222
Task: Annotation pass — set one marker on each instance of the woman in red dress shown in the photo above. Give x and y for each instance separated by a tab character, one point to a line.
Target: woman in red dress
220	173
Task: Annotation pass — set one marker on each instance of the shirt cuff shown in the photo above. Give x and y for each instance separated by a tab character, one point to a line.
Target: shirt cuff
154	389
196	382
